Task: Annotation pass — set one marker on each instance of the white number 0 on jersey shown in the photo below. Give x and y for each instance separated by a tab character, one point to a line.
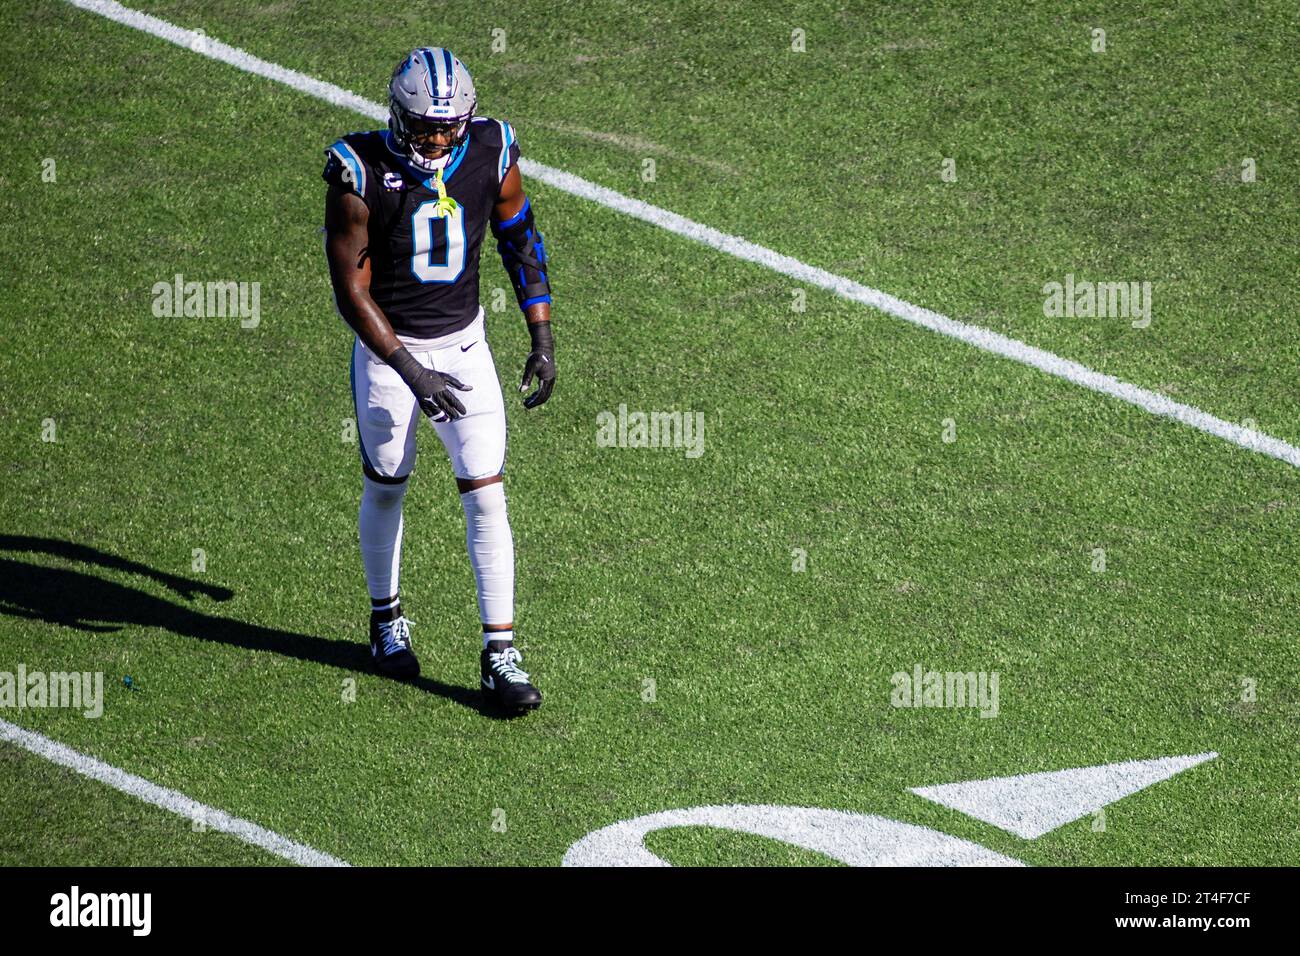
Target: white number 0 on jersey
423	223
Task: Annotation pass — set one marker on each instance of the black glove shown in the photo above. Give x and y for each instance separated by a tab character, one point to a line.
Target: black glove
541	362
432	389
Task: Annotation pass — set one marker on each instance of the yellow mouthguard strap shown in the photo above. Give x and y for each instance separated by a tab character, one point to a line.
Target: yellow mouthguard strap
445	206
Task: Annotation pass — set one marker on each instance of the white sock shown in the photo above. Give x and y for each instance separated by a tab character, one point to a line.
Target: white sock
380	525
491	552
490	636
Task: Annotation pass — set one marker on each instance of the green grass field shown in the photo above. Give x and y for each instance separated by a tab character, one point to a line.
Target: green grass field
824	433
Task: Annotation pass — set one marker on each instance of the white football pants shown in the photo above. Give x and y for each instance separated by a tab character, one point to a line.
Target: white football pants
387	418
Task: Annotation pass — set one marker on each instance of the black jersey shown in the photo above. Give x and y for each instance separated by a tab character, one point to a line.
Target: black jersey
423	266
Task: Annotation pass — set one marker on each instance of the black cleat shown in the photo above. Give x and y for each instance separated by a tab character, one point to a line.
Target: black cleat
503	683
390	646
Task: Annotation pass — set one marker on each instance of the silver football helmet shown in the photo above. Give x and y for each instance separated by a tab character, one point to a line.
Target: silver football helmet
431	100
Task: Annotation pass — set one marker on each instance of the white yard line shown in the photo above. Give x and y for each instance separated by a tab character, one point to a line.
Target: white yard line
170	800
981	338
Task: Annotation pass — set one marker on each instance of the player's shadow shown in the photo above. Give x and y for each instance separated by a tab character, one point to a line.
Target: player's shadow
87	602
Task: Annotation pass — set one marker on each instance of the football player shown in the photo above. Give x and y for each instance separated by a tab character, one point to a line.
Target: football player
406	211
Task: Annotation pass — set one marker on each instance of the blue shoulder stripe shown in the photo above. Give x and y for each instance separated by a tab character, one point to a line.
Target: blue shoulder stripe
507	140
349	158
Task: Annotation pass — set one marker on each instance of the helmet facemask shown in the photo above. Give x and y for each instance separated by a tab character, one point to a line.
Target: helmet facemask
417	136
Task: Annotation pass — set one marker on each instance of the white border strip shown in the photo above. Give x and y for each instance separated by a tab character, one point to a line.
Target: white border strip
981	338
169	800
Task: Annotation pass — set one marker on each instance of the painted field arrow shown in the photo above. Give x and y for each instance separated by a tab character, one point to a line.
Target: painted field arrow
1032	804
